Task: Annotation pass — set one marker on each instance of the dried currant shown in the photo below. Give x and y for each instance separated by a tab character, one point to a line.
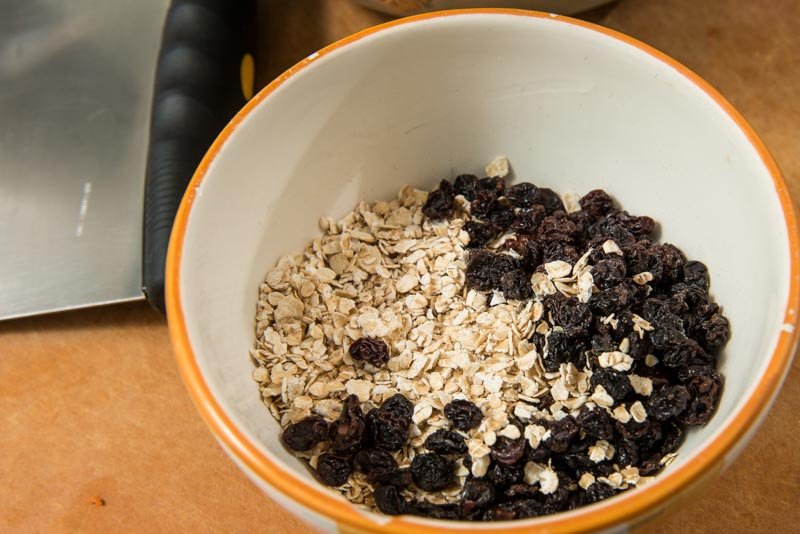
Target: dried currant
614	382
529	251
485	269
386	430
400	406
305	434
706	310
576	460
672	437
695	273
549	199
608	272
640	347
381	468
560	348
668	331
554	228
519	509
371	350
466	461
400	479
347	432
389	501
463	414
496	184
650	438
582	222
639	226
626	453
608	228
577	499
522	195
483	203
521	491
653	308
639	259
616	298
508	451
466	185
503	476
333	470
558	500
687	297
539	341
667	401
624	319
516	285
595	422
603	343
541	455
481	273
596	203
439	204
431	472
672	261
500	216
555	250
682	353
599	491
527	221
562	433
573	316
502	264
632	430
651	465
694	371
476	495
434	511
480	234
445	441
704	390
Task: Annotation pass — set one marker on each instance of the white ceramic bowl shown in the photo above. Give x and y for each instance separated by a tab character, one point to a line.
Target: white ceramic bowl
574	107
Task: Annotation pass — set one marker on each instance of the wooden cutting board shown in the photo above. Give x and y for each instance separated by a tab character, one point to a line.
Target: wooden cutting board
98	433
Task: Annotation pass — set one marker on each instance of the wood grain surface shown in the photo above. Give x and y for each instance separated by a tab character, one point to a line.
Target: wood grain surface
93	407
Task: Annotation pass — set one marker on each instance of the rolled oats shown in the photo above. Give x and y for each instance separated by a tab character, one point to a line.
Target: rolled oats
638	412
641	384
601	451
621	414
611	247
511	432
619	361
498	168
586	480
480	466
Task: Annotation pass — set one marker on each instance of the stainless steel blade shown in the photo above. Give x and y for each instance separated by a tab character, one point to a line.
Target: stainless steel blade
76	83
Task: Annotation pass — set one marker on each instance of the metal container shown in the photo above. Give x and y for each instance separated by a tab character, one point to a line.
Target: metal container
401	8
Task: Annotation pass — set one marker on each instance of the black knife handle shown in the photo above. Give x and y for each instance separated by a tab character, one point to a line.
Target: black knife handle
198	89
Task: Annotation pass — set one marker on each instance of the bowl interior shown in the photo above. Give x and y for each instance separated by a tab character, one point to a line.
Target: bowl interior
573	109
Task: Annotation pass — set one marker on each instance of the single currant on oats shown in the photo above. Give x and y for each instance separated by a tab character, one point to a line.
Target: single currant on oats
370	350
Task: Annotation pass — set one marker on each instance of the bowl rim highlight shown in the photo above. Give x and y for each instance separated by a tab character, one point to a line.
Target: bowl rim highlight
647	501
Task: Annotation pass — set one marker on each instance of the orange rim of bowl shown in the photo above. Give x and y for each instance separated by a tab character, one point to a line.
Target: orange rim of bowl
329	505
